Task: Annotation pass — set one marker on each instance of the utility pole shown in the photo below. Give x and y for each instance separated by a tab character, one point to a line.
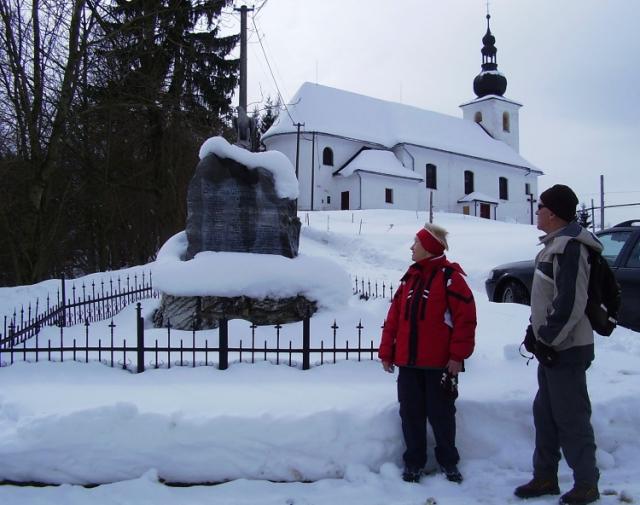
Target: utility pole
602	202
244	136
593	217
298	125
313	168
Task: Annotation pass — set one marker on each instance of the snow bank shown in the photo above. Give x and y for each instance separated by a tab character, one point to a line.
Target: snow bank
230	274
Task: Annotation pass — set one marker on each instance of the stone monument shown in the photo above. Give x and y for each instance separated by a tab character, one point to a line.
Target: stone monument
236	205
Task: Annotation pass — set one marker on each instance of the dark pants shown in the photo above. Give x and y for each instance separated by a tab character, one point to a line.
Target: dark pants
421	397
562	417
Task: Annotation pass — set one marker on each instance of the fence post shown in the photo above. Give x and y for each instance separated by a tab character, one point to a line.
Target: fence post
223	344
306	342
63	294
140	340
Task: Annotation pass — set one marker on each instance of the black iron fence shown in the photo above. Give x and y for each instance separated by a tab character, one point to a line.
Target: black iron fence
78	304
193	348
366	288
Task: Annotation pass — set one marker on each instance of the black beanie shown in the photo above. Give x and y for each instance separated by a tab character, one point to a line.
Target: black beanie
561	200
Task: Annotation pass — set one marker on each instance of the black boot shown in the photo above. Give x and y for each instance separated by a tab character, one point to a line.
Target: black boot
452	473
581	494
537	487
411	475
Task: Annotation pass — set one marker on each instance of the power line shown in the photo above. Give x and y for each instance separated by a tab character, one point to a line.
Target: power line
612	192
253	19
260	8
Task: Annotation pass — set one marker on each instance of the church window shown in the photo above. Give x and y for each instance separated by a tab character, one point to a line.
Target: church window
468	182
527	188
327	156
504	188
328	199
506	122
388	195
478	117
432	179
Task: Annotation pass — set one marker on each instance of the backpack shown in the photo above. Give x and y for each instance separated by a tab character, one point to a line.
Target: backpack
603	296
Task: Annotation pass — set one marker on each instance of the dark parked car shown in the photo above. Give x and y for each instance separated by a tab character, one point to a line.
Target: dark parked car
512	282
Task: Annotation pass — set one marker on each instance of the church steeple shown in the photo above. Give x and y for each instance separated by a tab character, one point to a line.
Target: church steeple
497	115
489	81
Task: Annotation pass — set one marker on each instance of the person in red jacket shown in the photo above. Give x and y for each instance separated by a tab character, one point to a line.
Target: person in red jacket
428	333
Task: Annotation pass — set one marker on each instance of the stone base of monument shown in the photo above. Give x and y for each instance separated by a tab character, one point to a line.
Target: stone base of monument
203	312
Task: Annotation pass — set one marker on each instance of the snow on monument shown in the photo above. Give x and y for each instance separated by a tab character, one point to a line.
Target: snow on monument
238	256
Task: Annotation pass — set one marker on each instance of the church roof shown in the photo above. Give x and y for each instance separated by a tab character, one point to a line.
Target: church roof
380	162
345	114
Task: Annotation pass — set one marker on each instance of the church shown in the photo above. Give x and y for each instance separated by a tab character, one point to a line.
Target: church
357	152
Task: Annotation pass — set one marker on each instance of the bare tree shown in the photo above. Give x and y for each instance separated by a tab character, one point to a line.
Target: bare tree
42	43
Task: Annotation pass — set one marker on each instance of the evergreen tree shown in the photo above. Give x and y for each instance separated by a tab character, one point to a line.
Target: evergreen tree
262	119
271	113
164	85
584	217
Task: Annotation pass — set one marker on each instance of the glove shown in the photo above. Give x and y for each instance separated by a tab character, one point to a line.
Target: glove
546	355
449	383
530	340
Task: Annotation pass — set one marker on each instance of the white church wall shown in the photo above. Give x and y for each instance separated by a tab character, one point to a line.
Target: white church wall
404	192
409	195
492	110
323	180
352	184
369	191
450	170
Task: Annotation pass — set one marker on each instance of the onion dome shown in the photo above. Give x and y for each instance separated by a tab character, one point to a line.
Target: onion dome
489	81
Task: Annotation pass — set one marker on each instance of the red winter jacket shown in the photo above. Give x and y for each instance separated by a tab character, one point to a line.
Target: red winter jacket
426	327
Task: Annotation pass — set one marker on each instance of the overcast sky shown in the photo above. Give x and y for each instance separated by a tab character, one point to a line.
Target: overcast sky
573	64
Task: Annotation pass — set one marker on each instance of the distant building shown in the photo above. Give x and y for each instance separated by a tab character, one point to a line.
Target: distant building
359	152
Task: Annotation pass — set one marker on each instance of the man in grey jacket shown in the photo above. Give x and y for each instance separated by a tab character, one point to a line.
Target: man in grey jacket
561	337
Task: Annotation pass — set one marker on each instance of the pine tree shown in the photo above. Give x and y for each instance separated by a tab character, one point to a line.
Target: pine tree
163	84
584	217
271	113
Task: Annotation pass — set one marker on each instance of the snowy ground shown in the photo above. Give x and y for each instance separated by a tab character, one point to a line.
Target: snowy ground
335	425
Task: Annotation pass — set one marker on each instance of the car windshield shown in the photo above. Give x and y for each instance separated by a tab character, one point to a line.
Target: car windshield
613	243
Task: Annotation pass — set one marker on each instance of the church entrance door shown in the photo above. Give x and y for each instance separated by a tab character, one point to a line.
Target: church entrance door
344	200
485	210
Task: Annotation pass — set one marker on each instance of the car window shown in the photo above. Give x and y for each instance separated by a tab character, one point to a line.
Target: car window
634	257
613	243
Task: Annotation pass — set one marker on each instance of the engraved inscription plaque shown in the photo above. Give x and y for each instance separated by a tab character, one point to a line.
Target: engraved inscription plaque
234	208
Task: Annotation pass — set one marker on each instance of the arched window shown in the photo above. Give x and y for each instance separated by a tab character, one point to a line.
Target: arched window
468	182
478	117
327	156
506	126
432	176
504	188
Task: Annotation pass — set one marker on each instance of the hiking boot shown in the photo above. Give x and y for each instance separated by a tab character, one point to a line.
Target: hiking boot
537	487
581	494
452	473
411	475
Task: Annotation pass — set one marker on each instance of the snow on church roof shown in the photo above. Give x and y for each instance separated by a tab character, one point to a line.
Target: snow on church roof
476	196
346	114
379	162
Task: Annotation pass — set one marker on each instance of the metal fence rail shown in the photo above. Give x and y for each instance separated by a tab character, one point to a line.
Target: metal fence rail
92	302
140	354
